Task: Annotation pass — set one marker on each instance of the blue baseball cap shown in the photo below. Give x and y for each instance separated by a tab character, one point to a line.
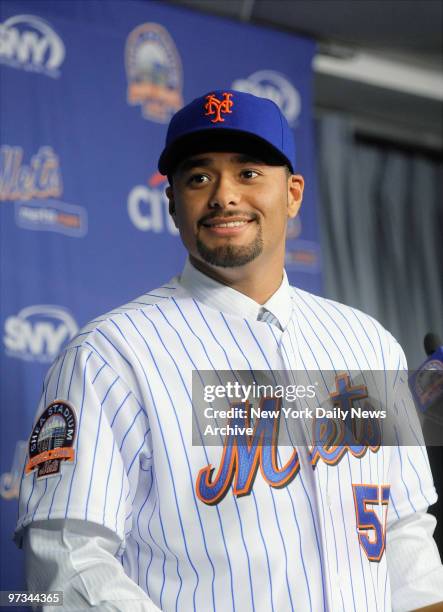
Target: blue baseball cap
229	120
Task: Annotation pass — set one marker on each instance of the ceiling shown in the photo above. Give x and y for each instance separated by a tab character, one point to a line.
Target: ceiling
407	34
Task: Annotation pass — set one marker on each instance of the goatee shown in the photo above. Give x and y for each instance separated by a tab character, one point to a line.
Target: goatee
231	255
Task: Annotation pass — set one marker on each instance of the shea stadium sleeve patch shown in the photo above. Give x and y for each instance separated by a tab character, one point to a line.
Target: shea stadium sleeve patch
52	439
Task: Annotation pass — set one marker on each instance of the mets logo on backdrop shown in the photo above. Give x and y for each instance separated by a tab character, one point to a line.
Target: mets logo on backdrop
215	107
35	187
52	439
154	72
276	87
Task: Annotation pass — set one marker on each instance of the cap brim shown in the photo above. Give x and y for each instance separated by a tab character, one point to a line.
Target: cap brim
220	140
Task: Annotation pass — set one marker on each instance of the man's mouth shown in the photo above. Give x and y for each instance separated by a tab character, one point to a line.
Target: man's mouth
230	222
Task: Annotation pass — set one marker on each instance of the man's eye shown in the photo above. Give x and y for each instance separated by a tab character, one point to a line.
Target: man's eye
197	179
249	173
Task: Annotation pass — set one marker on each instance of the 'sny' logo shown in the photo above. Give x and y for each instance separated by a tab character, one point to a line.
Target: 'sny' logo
216	107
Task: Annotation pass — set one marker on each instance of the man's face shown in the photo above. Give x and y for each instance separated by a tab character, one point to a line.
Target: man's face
231	209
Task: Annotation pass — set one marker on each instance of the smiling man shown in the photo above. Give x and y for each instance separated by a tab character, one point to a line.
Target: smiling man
241	232
126	513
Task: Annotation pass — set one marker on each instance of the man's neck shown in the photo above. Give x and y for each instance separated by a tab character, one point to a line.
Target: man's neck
247	279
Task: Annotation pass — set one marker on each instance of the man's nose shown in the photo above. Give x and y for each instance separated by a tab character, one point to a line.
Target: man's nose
225	194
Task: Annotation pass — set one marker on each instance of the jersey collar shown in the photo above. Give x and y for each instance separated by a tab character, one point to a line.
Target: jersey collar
226	299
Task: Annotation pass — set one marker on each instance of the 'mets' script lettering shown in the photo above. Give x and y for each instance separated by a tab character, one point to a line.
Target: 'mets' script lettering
243	454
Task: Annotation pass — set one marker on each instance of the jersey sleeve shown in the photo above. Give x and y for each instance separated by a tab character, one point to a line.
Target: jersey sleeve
412	487
88	443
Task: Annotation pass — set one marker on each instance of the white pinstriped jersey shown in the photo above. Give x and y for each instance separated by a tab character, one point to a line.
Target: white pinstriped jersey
128	377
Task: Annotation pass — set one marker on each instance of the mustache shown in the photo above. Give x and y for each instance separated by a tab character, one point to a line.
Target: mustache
228	215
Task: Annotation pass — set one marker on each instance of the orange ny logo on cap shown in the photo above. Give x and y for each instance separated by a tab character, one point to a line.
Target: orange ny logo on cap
214	106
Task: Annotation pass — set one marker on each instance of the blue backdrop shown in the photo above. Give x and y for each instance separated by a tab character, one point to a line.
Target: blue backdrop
86	92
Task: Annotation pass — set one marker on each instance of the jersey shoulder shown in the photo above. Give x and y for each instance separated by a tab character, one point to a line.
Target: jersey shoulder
338	318
145	302
314	304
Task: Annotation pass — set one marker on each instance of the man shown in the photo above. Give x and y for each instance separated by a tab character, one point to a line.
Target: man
118	507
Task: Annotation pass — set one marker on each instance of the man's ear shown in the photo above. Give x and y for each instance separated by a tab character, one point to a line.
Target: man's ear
296	184
170	196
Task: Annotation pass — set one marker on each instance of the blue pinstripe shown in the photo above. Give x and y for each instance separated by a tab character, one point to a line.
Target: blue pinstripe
349	466
346	540
386	393
137	452
401	470
333	532
368	337
119	353
138	561
164	557
98	372
120	498
112	456
384	369
119	408
316	527
168	461
318	367
359	366
164	537
72	372
252	492
40	499
182	440
59	373
273	501
140	411
418	479
406	412
386	592
299	475
304	488
138	524
234	499
107	481
79	428
337	467
327	469
204	448
96	441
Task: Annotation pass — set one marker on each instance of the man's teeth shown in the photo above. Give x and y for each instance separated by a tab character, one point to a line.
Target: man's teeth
230	224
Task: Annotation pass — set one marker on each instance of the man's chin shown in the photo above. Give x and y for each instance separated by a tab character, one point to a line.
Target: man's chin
229	256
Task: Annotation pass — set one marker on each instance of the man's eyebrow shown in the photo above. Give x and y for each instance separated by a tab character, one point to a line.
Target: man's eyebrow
193	162
243	158
205	162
